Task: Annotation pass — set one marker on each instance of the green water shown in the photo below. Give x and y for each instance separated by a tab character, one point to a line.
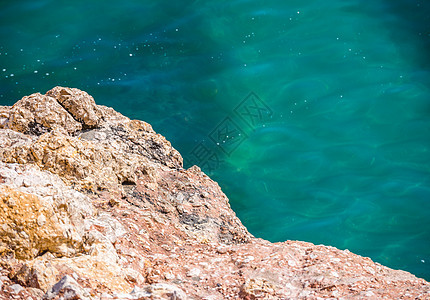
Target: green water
337	150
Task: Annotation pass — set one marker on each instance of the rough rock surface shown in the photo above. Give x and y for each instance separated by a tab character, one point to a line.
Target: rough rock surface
97	206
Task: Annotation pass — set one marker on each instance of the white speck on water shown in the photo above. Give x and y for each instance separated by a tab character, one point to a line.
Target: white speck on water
423	261
4	70
35	71
47	74
177	29
11	75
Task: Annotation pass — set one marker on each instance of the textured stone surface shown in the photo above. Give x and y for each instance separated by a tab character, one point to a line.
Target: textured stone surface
37	114
96	206
40	213
79	104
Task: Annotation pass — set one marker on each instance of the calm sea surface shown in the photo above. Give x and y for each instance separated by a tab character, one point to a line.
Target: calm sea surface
313	116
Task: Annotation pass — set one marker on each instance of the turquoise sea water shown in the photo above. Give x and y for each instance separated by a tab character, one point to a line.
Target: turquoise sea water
313	116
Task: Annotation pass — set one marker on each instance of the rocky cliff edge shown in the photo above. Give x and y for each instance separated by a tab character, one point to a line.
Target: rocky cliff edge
97	206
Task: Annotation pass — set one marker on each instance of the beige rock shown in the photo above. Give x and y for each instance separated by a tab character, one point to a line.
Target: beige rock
40	273
158	291
67	289
79	104
37	114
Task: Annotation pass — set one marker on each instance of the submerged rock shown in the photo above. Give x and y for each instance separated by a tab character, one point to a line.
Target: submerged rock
97	206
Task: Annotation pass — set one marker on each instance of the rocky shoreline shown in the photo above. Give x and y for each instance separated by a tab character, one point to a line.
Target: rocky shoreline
98	206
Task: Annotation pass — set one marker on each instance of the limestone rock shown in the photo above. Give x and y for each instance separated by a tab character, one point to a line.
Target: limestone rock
68	289
37	114
79	104
158	291
40	213
90	146
94	205
40	273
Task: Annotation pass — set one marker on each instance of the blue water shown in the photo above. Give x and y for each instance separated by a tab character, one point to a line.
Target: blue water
312	115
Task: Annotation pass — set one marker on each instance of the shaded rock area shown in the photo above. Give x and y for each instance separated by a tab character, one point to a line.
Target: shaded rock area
94	205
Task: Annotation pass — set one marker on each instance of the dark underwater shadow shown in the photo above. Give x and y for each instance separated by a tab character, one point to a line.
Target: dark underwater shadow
409	26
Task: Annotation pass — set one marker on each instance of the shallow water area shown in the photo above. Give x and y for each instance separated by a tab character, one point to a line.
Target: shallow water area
312	116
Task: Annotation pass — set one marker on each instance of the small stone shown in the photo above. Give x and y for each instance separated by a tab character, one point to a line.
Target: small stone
41	220
221	250
248	259
26	182
16	288
335	274
70	288
195	272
